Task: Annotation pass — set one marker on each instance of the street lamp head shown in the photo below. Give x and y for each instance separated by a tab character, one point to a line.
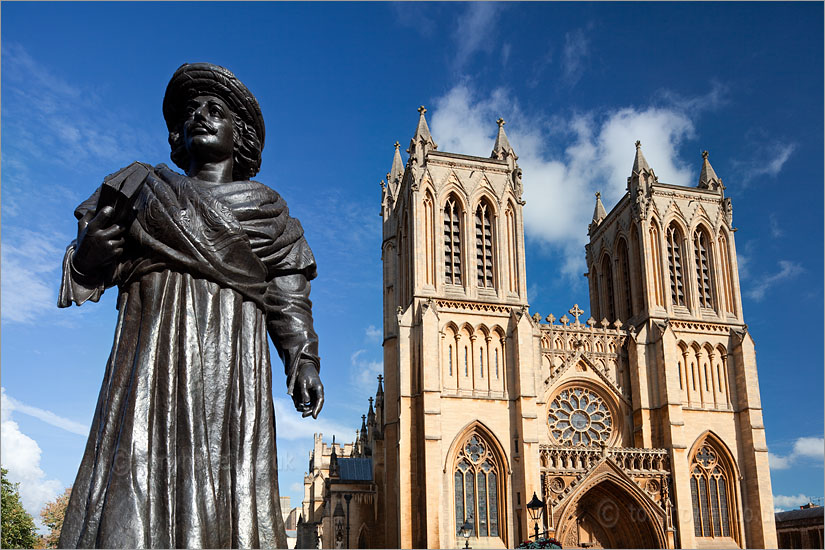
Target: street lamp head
535	507
466	529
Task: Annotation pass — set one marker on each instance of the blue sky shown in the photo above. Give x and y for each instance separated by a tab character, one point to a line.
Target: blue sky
338	84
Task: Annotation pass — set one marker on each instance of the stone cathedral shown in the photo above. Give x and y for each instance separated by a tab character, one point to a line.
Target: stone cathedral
638	427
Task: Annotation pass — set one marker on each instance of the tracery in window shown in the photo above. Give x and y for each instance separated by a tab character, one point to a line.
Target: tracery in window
452	243
711	496
675	255
701	252
476	485
484	245
579	416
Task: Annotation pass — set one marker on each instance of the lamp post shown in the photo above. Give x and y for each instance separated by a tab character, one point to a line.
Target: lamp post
338	519
466	529
536	509
348	497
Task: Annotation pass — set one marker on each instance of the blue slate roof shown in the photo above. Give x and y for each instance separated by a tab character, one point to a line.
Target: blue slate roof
355	469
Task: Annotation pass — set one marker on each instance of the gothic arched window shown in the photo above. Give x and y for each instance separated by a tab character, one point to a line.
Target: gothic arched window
711	494
429	240
607	288
702	255
484	245
675	258
656	258
476	481
626	285
452	243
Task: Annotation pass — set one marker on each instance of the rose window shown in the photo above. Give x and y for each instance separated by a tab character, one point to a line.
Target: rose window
579	416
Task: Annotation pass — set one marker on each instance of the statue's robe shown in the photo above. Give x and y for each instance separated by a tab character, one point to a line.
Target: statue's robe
182	451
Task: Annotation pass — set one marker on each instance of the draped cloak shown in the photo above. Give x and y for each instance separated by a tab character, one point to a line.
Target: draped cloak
181	451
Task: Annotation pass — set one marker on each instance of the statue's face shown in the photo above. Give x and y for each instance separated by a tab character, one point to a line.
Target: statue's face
207	129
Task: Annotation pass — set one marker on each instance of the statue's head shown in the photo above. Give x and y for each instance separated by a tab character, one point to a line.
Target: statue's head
198	80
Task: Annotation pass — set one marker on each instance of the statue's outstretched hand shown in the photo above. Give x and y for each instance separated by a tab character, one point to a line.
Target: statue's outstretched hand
100	241
308	394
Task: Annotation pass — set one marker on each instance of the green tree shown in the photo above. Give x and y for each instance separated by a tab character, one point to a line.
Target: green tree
52	515
16	525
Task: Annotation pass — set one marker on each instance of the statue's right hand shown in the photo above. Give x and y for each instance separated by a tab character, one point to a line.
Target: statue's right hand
99	241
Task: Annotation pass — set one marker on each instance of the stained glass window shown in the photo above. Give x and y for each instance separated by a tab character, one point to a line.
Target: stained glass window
579	416
476	487
709	493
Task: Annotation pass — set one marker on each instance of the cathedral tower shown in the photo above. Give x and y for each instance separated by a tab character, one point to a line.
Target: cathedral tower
454	331
663	264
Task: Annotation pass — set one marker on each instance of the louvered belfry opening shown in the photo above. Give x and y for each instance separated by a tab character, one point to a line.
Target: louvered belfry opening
702	256
675	255
452	243
484	246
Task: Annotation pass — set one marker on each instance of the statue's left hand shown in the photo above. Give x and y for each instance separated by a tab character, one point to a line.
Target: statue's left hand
308	394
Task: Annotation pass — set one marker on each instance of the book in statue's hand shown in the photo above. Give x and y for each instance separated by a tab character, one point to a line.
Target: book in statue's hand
120	189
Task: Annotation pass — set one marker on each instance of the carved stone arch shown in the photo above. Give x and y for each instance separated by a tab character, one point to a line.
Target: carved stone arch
622	514
477	426
709	436
675	214
481	330
450	325
458	195
484	196
477	465
700	215
468	327
363	540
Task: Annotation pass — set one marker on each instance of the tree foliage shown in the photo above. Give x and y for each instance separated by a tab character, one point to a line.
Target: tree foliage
52	515
17	525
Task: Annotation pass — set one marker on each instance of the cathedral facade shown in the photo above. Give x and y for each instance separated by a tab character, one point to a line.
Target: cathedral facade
640	426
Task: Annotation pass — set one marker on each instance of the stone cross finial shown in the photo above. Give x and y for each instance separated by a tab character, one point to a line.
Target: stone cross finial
500	122
422	109
380	378
598	194
564	320
550	318
370	400
704	155
591	322
576	312
397	145
638	144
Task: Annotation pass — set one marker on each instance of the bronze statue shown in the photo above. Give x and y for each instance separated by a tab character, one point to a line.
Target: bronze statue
181	452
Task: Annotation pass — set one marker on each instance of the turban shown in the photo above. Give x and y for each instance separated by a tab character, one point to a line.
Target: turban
195	79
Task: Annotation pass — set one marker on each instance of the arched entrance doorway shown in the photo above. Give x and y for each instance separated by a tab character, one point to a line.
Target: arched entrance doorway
608	516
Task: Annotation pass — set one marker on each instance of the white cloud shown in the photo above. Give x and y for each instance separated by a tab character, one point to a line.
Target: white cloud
812	447
776	230
291	425
11	404
783	502
374	334
779	462
787	270
576	48
559	186
768	159
474	30
20	455
364	373
803	447
31	262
